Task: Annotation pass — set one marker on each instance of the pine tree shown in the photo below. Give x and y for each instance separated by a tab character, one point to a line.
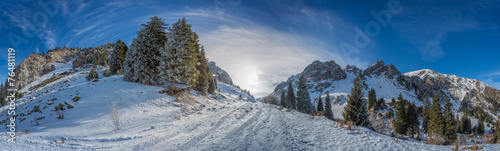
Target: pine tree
459	125
497	132
320	104
466	125
480	127
413	121
304	104
2	95
203	70
117	57
212	85
178	63
401	121
328	106
436	121
356	108
380	104
283	99
426	113
290	96
450	133
143	57
372	98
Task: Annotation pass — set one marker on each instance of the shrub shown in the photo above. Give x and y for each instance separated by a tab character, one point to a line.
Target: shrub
271	100
69	106
92	75
60	116
107	73
76	98
114	117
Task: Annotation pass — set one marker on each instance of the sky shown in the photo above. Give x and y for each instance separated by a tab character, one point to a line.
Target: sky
261	43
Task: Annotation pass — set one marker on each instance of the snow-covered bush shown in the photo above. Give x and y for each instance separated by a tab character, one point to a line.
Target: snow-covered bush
114	117
92	75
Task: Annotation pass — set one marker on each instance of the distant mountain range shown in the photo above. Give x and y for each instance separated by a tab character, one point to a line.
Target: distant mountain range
389	83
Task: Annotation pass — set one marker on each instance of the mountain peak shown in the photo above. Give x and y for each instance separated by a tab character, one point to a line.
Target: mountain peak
380	67
318	71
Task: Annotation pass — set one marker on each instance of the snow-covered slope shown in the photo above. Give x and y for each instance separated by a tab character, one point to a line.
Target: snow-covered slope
153	121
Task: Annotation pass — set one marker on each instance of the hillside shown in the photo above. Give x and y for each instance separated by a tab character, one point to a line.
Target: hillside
153	121
388	83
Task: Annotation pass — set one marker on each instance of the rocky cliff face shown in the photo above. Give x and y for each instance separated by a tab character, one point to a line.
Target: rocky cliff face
458	88
220	75
389	82
32	68
318	71
380	67
36	65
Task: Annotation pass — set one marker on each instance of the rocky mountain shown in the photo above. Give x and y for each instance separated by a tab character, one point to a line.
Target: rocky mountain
389	83
37	65
219	74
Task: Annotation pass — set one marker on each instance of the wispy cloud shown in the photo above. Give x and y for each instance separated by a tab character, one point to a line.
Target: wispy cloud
18	18
88	28
492	79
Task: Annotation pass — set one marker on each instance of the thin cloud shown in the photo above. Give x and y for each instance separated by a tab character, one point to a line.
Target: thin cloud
492	79
88	28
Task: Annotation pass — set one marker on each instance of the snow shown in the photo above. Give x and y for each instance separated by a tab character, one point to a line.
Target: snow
225	122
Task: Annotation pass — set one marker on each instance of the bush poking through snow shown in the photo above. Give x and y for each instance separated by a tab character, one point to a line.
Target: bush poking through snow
76	98
69	106
113	115
59	115
92	75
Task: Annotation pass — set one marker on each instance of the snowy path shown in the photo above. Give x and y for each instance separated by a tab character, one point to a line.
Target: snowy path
232	126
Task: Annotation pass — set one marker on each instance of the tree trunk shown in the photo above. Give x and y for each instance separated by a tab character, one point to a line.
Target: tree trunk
172	83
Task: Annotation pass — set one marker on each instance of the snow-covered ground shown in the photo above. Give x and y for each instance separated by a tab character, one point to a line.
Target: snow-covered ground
153	121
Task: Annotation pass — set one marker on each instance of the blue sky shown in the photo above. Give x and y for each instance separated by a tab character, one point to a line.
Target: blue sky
261	43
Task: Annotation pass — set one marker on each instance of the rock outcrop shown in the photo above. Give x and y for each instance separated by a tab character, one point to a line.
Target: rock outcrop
219	74
380	67
318	71
31	69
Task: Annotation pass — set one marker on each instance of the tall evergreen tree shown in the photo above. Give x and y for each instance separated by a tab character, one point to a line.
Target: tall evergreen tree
204	71
380	104
480	127
496	134
178	63
328	106
117	57
426	112
401	121
436	121
466	125
290	96
356	108
450	133
283	99
372	98
2	95
142	58
413	121
459	125
320	104
304	104
212	85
